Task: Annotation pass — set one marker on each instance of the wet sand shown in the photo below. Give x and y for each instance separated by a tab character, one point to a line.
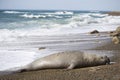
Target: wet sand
103	72
106	72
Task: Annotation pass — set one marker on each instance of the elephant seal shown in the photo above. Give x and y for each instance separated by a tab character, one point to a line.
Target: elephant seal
67	60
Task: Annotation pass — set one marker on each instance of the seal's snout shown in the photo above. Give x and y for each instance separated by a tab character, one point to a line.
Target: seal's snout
107	60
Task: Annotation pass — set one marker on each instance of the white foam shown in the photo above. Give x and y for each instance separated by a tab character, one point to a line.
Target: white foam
10	59
33	16
13	35
58	16
98	14
87	19
60	13
40	16
64	13
12	12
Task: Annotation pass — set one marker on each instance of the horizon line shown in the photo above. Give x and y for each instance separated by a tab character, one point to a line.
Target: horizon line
63	10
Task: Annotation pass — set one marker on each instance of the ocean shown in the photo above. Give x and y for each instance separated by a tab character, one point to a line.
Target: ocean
23	32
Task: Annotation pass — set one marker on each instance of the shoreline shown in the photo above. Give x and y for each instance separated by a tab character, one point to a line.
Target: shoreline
88	73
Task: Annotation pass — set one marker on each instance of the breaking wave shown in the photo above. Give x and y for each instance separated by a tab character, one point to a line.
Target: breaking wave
64	13
33	16
50	24
13	12
60	13
57	29
40	16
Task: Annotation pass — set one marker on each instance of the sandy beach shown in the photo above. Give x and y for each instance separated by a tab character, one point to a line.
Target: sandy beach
104	72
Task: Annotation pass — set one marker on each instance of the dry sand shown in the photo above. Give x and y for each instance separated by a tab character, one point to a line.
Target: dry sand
104	72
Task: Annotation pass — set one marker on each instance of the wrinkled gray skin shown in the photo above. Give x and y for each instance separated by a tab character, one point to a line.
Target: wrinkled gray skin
67	60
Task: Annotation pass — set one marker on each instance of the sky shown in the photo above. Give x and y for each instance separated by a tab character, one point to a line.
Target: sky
103	5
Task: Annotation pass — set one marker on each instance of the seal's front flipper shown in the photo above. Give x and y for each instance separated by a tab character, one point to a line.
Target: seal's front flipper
72	66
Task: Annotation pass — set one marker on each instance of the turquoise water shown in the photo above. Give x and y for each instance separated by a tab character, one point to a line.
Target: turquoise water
20	19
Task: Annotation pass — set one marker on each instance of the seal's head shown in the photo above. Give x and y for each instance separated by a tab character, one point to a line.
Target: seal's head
105	59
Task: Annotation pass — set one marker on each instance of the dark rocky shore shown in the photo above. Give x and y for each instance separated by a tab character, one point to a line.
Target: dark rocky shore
115	13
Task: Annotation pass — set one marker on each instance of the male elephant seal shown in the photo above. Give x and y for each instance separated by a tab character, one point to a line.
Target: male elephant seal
67	60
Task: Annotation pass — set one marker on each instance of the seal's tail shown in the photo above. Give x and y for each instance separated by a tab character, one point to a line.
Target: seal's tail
13	70
10	71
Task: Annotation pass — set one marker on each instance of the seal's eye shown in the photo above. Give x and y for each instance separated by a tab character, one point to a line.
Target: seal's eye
101	57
